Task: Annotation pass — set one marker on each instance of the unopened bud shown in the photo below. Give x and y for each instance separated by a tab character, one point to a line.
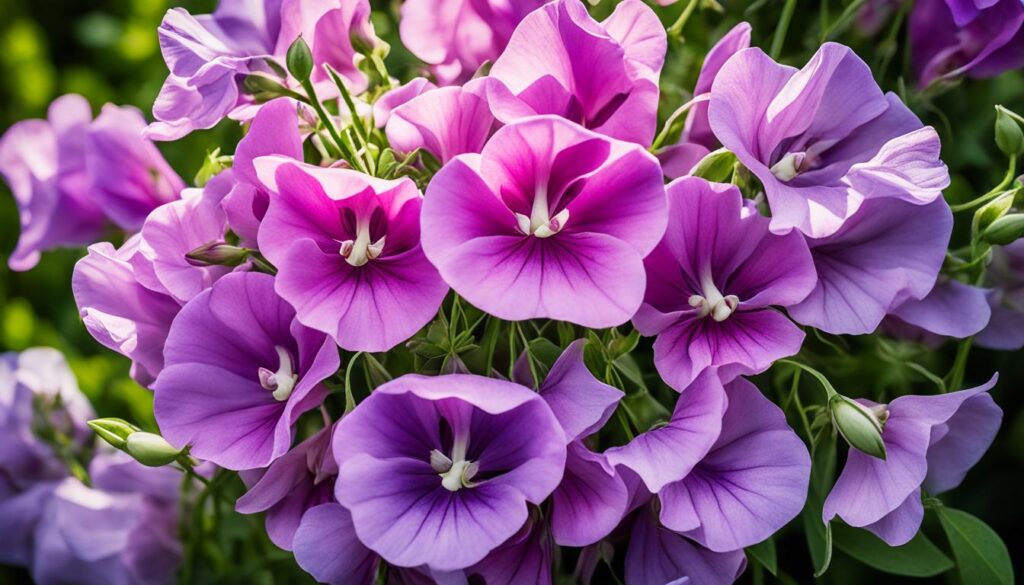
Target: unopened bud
263	89
859	425
1009	137
113	430
1005	230
716	167
299	60
150	449
217	253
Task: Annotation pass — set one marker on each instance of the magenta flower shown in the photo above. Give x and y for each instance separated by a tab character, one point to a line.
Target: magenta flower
538	224
445	122
43	162
887	253
393	98
453	461
973	38
347	249
712	281
549	68
823	139
930	442
456	37
239	370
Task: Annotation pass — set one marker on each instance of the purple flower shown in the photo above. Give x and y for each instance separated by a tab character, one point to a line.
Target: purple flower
129	176
119	311
523	558
930	442
888	252
438	471
955	38
456	37
711	283
327	548
823	139
549	68
1005	330
539	223
750	484
445	122
951	309
113	532
393	98
239	370
210	55
43	162
697	129
347	248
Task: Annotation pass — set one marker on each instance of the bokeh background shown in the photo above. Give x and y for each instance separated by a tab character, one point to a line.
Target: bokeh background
107	51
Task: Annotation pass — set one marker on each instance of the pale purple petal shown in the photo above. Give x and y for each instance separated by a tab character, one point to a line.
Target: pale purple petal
952	309
581	402
326	547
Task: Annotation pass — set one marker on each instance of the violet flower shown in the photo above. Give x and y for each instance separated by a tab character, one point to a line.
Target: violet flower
712	281
239	370
1005	330
824	139
327	548
973	38
537	224
889	252
930	442
523	558
445	122
453	461
43	162
347	249
549	68
456	37
951	309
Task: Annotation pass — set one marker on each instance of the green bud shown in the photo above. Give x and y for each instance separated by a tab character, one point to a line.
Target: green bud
299	60
858	424
217	253
213	164
263	88
113	430
1005	230
716	166
1009	137
150	449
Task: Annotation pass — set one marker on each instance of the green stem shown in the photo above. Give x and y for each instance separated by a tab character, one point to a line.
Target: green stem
667	128
996	191
676	30
830	391
350	401
846	15
955	378
782	28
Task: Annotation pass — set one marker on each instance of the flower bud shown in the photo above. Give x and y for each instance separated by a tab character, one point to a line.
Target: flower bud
299	60
150	449
716	167
113	430
1005	230
263	88
859	425
218	253
1009	137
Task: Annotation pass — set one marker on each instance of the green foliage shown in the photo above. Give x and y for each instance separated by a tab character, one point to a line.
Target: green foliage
981	556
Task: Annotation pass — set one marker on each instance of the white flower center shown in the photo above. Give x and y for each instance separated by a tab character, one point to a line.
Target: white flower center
360	250
789	166
540	223
712	302
281	382
456	471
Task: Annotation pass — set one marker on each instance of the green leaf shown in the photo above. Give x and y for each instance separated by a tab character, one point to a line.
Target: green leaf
626	365
819	535
716	166
981	556
918	558
764	553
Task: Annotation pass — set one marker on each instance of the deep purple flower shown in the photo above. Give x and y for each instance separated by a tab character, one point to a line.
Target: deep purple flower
930	442
445	122
210	55
523	558
453	462
823	139
973	38
239	370
347	248
1005	275
120	312
890	251
43	162
128	174
550	67
711	283
549	220
113	532
456	37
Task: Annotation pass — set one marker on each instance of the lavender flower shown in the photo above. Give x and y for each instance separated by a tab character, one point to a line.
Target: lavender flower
445	122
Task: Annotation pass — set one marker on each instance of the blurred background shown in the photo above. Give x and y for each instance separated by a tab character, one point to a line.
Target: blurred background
107	51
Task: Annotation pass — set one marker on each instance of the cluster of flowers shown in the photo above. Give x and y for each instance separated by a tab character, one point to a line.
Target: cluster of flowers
543	201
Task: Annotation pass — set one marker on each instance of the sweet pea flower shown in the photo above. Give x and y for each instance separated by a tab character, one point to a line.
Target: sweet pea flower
550	67
129	176
453	461
327	548
824	139
119	311
524	558
347	249
456	37
445	122
393	98
239	370
972	38
951	309
210	55
930	442
43	162
537	225
889	252
712	281
1005	330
